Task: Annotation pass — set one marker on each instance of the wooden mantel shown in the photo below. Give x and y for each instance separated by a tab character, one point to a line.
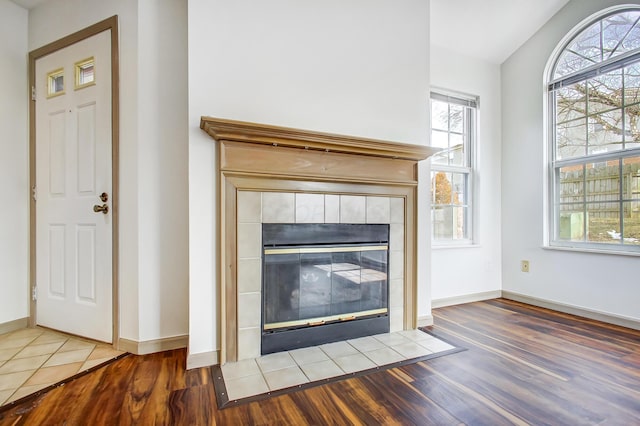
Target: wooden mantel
262	158
239	131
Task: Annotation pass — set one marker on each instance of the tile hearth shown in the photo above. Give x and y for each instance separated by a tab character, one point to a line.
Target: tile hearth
251	377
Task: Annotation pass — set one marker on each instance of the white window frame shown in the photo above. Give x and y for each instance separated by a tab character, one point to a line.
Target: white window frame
552	234
471	104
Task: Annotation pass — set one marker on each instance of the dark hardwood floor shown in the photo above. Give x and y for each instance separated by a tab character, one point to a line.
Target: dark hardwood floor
524	365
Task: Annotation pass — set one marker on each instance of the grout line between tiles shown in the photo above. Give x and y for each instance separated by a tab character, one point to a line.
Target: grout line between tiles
65	339
403	358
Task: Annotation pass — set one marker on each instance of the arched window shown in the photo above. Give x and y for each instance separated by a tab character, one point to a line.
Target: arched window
594	106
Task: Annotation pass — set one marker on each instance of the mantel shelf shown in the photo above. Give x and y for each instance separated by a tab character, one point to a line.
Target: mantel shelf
239	131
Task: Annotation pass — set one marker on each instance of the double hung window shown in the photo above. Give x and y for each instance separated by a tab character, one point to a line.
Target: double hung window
453	127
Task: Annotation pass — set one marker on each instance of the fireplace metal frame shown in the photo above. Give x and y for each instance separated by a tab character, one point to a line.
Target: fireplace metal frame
306	238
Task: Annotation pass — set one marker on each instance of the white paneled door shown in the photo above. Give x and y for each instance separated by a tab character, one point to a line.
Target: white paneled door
73	189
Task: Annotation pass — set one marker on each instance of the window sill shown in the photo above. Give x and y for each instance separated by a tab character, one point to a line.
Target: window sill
593	250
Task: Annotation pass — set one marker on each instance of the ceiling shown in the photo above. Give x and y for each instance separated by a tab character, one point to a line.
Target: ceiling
488	29
28	4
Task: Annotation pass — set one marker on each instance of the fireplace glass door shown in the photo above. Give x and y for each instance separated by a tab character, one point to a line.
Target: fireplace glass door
323	283
306	286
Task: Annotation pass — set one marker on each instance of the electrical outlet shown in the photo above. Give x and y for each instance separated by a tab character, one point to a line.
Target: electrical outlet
524	266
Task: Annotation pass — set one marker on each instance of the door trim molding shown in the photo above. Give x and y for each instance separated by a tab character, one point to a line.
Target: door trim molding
109	24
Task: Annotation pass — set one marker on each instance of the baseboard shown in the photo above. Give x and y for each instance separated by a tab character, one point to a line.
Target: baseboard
9	326
425	320
466	298
151	346
574	310
203	359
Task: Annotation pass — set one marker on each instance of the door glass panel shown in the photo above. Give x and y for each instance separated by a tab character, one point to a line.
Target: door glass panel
55	83
85	73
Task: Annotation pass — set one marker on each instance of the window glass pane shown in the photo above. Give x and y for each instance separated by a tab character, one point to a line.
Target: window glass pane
571	222
614	30
458	188
449	188
440	139
631	218
603	224
440	158
456	154
439	115
632	127
605	132
632	40
587	44
603	181
456	118
442	219
571	184
570	62
632	84
631	178
604	92
571	102
459	222
441	188
571	139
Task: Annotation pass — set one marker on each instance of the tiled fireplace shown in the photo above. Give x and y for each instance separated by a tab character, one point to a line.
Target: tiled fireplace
285	176
255	208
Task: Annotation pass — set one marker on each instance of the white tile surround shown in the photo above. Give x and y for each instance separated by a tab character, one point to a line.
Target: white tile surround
282	370
255	208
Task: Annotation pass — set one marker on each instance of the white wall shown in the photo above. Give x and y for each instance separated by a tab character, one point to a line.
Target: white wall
163	169
153	153
358	68
14	171
600	282
471	270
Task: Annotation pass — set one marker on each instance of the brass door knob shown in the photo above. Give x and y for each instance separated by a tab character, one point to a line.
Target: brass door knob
103	208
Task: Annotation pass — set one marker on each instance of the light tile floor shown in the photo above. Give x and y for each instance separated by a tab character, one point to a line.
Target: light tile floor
285	369
33	358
